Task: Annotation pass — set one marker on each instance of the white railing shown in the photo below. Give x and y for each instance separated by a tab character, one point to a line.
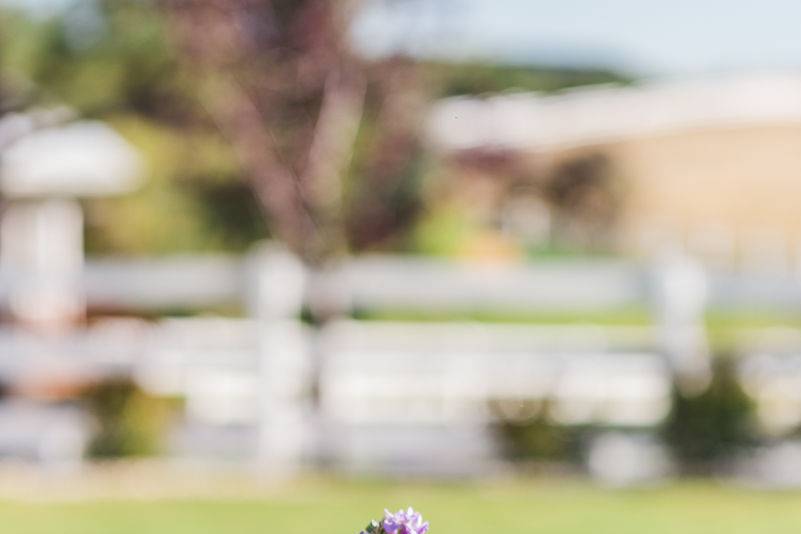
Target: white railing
379	378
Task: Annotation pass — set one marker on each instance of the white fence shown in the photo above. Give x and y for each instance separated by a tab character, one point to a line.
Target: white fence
270	388
389	282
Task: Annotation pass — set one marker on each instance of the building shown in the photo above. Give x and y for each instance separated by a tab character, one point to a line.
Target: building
711	166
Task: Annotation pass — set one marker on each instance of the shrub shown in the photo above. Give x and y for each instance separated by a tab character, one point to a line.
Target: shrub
129	421
536	437
706	428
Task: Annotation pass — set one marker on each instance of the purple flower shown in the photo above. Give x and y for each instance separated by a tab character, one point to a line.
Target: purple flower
404	522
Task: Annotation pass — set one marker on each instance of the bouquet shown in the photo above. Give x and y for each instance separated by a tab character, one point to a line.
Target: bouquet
401	522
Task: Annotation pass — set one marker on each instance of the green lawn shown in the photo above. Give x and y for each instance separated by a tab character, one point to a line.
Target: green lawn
724	328
533	507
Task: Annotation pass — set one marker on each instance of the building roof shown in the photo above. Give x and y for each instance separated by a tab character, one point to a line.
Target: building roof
603	114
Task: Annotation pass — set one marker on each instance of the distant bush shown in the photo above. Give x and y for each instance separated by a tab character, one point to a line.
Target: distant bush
535	437
707	428
129	421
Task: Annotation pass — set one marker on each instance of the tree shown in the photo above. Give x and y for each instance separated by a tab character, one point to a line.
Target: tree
280	83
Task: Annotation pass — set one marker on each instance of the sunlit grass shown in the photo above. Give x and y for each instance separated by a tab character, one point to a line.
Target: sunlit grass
518	507
725	329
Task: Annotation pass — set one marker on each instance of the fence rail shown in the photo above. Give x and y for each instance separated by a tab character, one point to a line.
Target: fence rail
381	378
401	283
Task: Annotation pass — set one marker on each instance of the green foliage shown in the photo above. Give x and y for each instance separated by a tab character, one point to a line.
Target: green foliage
480	78
442	232
114	60
381	202
23	42
99	57
130	422
535	436
709	427
373	528
193	200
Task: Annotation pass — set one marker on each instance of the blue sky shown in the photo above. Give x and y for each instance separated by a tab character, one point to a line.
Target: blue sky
38	7
647	37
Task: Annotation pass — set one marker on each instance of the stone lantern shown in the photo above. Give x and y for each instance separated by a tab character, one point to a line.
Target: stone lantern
42	175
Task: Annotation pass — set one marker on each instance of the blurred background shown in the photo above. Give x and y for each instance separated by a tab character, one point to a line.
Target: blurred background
531	266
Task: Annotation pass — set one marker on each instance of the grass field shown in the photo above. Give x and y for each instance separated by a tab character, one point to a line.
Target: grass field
342	507
725	328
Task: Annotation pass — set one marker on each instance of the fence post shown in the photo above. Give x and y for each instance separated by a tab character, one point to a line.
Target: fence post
277	284
42	255
680	289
